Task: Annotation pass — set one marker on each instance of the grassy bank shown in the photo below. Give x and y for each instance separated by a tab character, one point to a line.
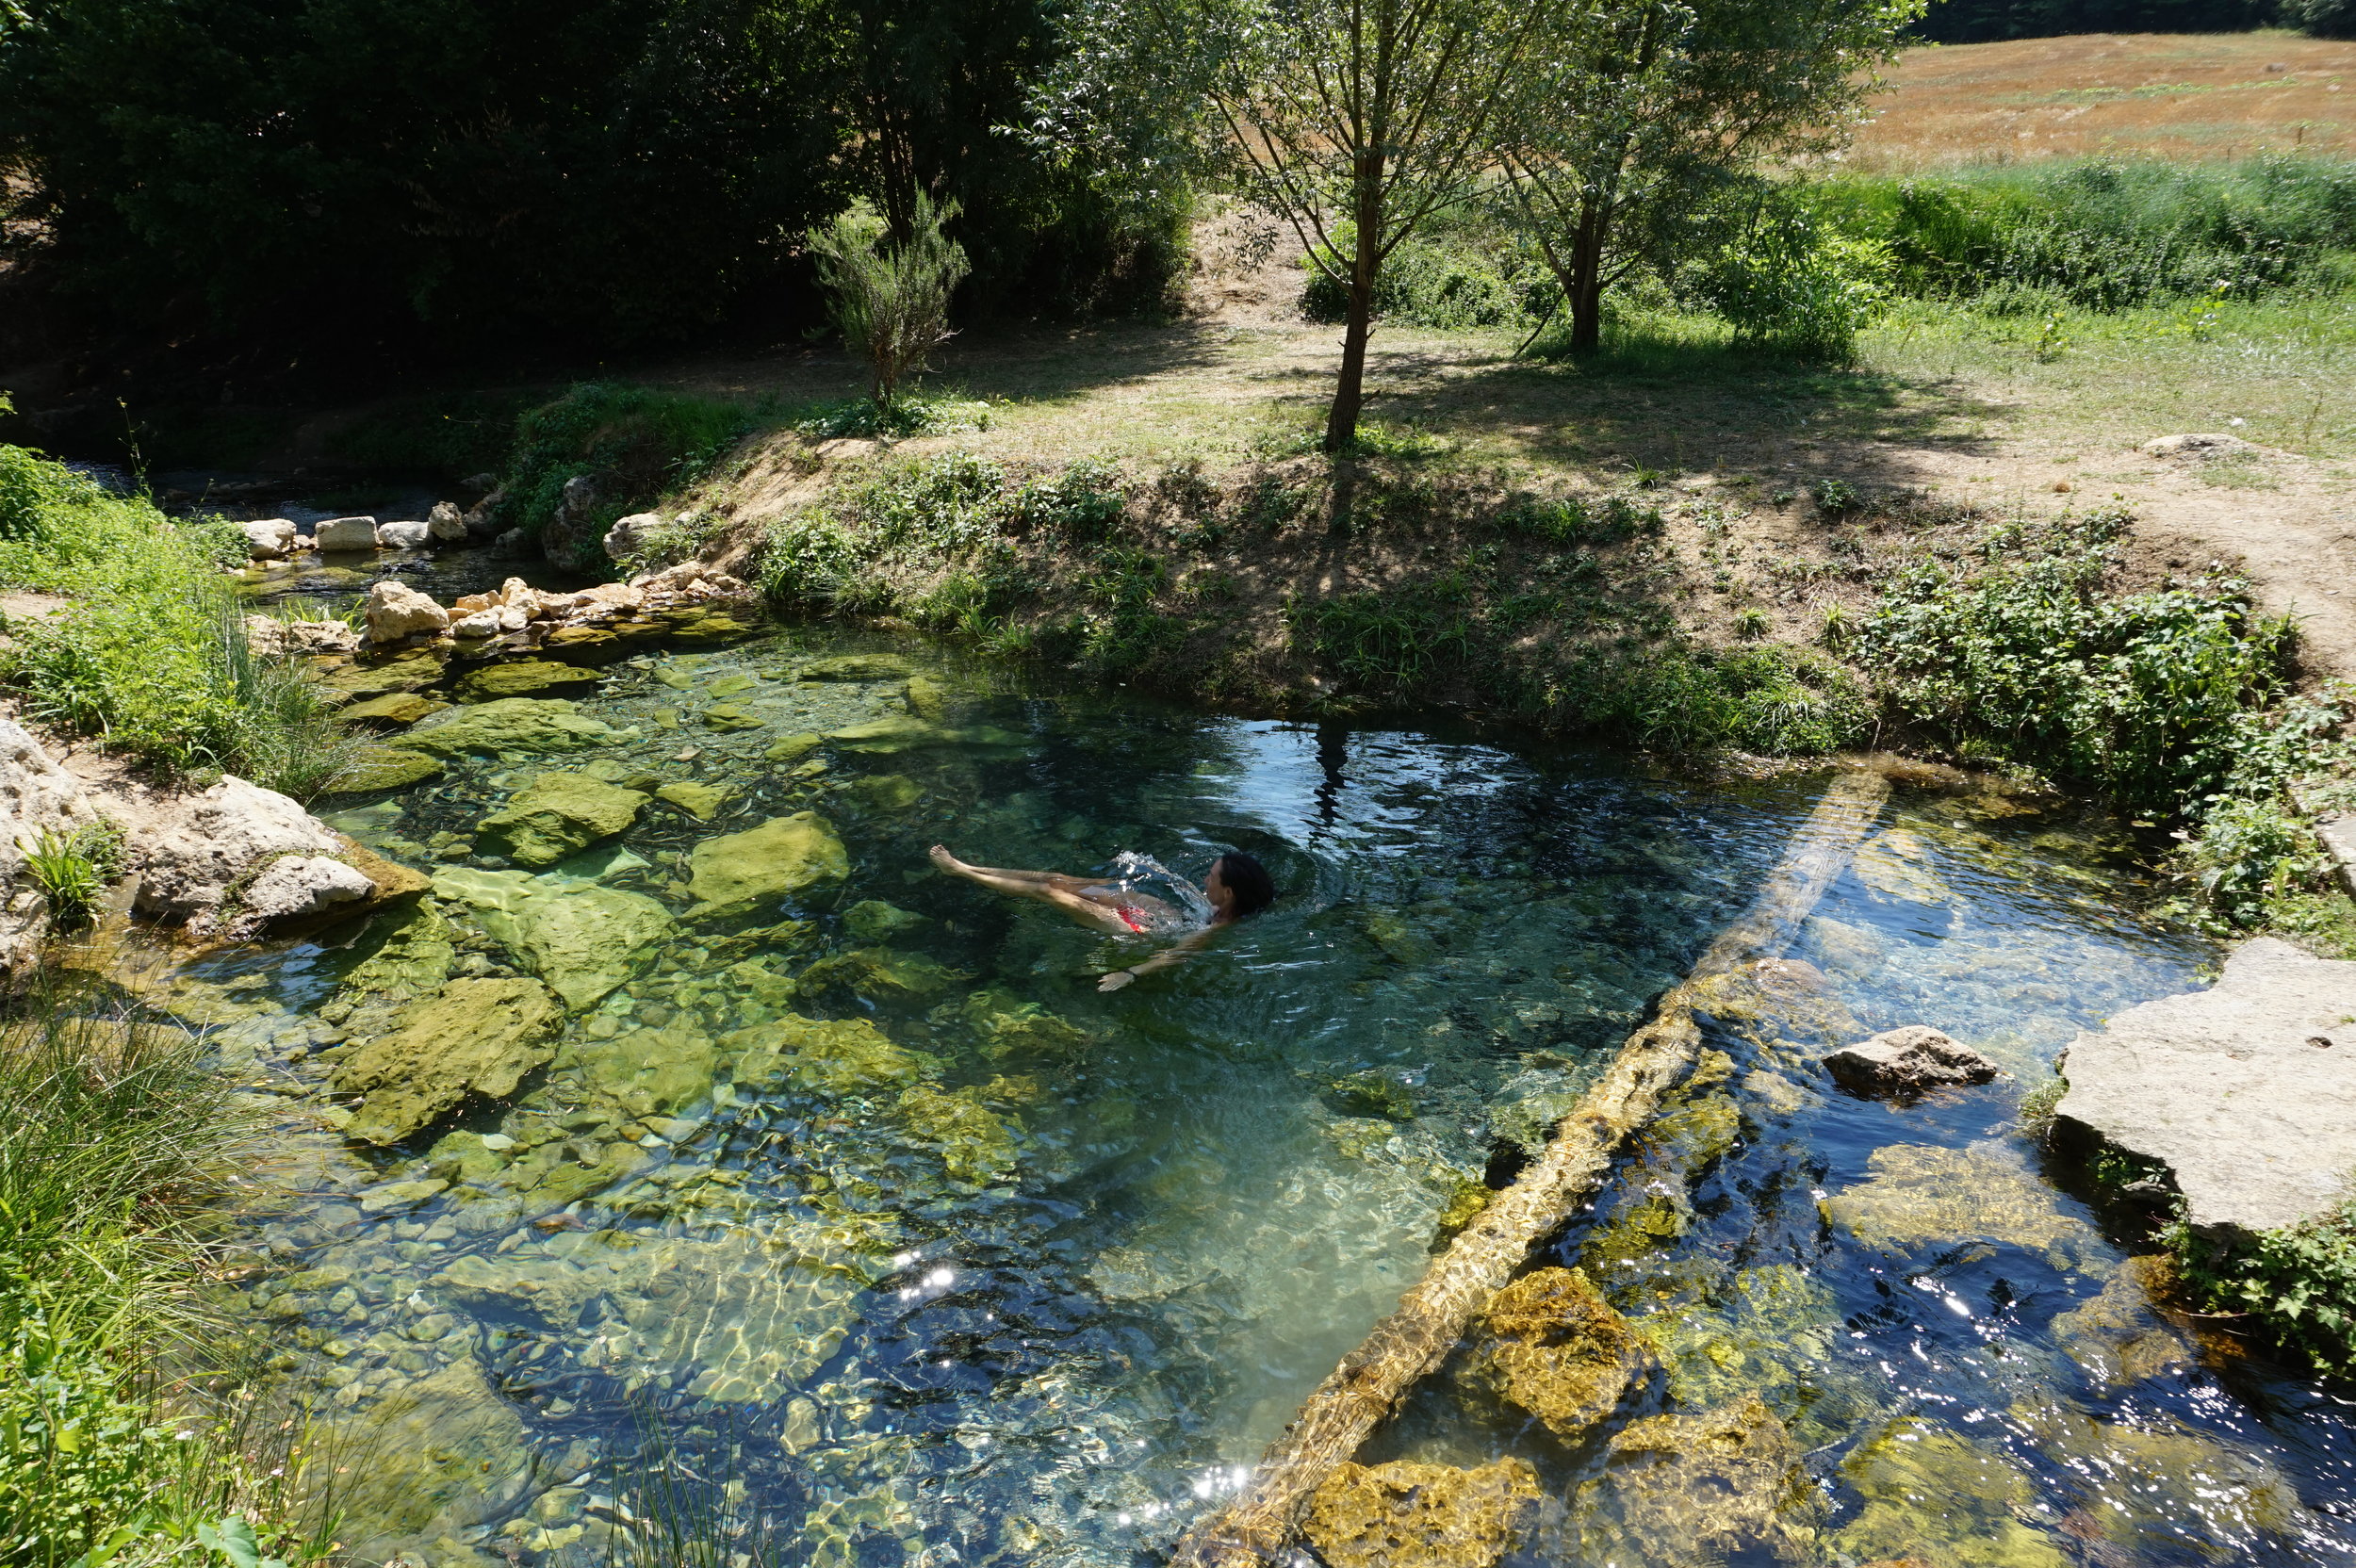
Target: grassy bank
126	1436
147	651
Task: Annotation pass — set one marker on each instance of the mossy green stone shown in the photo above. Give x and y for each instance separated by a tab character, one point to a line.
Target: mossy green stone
523	679
794	747
471	1037
887	792
558	814
387	767
525	724
376	678
828	1057
726	716
699	801
856	667
972	1143
872	920
392	710
740	872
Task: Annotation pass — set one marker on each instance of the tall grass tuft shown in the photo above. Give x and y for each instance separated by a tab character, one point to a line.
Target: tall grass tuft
115	1144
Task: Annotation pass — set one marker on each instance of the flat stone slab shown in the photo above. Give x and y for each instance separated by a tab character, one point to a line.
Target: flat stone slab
2229	1088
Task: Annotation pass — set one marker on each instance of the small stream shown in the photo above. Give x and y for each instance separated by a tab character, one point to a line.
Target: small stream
1008	1270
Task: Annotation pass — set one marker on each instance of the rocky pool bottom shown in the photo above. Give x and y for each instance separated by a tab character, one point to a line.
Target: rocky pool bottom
692	1152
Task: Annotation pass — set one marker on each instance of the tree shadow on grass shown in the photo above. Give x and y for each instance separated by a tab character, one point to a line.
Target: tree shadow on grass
1676	402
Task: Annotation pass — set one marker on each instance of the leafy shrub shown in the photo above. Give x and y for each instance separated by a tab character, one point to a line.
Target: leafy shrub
889	295
1438	286
72	869
1790	284
2321	18
2299	1282
634	443
2140	695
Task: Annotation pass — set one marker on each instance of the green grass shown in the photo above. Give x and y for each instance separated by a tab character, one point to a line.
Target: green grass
151	657
124	1435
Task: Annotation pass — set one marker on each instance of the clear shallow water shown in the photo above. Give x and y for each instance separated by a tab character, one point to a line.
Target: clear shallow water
1037	1294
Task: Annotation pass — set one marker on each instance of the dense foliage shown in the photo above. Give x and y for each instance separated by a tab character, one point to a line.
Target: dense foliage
633	444
1988	21
150	654
2299	1283
2105	233
621	169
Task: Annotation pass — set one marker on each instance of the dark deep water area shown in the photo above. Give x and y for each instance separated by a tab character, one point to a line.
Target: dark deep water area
860	1228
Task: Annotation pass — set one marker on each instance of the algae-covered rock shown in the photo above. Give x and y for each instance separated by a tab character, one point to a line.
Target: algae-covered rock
439	1454
1691	1138
1897	865
1006	1024
392	710
524	677
699	801
1408	1516
1935	1497
2115	1336
583	939
927	699
740	873
1553	1347
386	767
473	1036
1635	1229
1372	1093
1776	1333
728	716
2158	1484
407	953
524	725
830	1056
371	677
880	971
1690	1489
871	920
794	747
885	792
972	1143
648	1071
558	814
856	667
1921	1195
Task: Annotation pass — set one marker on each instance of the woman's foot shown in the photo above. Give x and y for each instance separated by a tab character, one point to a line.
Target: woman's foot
947	861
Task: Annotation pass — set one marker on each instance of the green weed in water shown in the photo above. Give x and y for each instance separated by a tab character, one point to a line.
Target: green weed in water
2300	1283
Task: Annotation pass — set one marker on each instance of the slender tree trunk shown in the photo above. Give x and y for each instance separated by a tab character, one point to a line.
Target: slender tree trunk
1585	284
1349	391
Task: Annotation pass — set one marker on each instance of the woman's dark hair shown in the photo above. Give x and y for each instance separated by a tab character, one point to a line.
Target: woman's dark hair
1249	880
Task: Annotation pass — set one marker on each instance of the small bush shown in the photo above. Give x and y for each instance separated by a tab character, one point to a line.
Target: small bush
1573	521
1789	285
2299	1281
635	444
889	295
2140	695
1436	285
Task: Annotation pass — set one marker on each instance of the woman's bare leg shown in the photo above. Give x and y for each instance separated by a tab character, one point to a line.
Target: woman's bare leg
1022	884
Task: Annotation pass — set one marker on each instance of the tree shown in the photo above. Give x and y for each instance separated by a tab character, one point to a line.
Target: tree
889	295
1644	109
1353	120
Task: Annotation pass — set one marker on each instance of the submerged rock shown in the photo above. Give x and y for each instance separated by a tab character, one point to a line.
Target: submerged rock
508	725
1897	865
392	710
387	767
1692	1488
794	747
880	971
524	677
558	814
1553	1347
1408	1516
1372	1093
583	939
974	1144
740	873
1908	1061
648	1071
1931	1493
441	1454
472	1037
2246	1090
1006	1024
871	920
1920	1195
828	1057
856	667
699	801
2117	1338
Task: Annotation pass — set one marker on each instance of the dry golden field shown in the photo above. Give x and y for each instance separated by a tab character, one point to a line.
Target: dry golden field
2174	95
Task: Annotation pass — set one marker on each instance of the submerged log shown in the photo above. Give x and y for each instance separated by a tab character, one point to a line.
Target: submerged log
1253	1525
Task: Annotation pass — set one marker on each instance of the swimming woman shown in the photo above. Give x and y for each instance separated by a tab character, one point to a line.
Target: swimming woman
1237	886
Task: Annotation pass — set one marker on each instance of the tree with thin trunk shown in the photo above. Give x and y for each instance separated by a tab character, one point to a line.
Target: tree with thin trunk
1640	111
1354	121
890	297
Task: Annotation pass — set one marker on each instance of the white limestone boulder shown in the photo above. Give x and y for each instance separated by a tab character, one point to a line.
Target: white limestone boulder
346	533
397	610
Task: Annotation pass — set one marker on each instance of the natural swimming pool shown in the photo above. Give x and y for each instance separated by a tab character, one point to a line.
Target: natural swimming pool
983	1265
